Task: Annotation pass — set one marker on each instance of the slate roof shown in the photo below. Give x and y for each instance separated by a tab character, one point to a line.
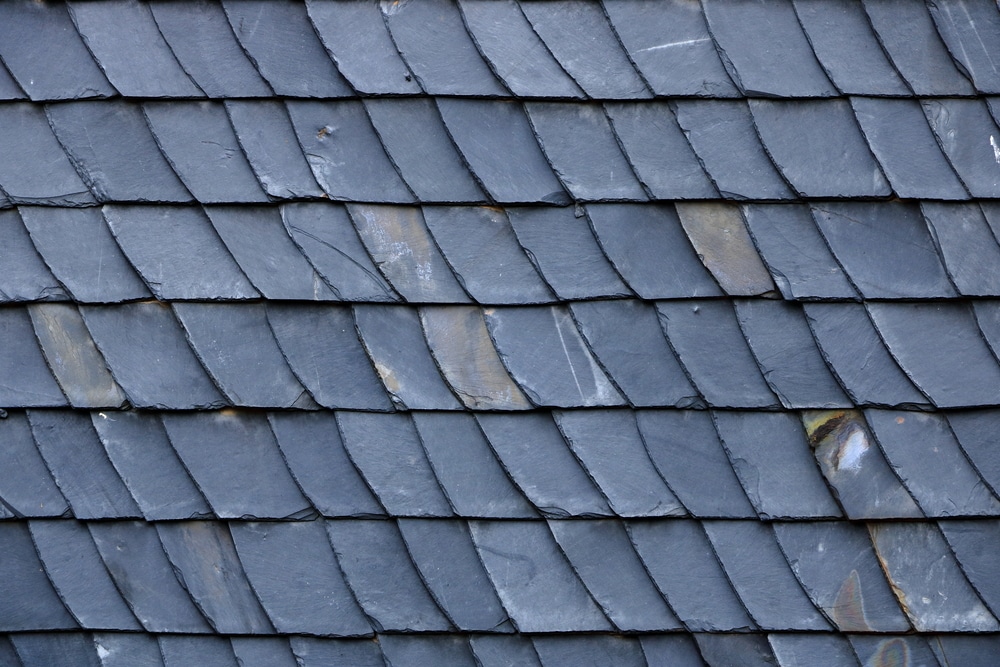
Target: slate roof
499	333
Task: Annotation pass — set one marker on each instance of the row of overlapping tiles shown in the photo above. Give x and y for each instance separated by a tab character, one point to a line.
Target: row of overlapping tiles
633	49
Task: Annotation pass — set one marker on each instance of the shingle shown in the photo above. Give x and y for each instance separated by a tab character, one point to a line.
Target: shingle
386	449
119	649
841	572
263	652
925	576
975	430
548	358
463	350
961	373
533	579
680	559
819	649
395	342
134	556
589	651
603	558
608	444
144	346
25	277
311	446
723	135
180	651
30	602
747	650
627	340
975	544
901	139
598	63
281	42
469	473
583	150
504	651
885	248
56	649
8	653
54	64
9	89
296	577
140	451
127	44
234	459
516	53
480	245
799	260
962	128
237	348
203	42
379	571
539	461
972	650
114	151
26	485
201	146
355	34
969	28
449	566
414	651
34	168
427	159
968	247
781	477
648	247
500	148
819	148
434	42
707	339
786	351
671	649
336	652
873	649
78	245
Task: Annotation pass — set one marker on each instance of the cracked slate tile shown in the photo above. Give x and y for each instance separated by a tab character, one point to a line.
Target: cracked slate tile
902	141
962	128
449	566
819	649
602	556
56	649
975	546
332	652
480	245
969	249
819	148
129	47
412	152
178	651
548	358
30	601
671	649
782	479
968	28
975	430
201	146
135	340
385	582
113	148
26	485
723	135
583	650
292	569
748	650
355	35
515	52
973	650
470	475
873	649
119	649
54	64
386	450
263	652
25	276
141	453
504	650
927	580
443	650
201	39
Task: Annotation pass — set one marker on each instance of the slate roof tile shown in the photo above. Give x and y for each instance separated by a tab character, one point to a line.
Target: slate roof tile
873	648
820	649
26	485
55	649
30	601
179	651
968	246
263	652
975	546
968	28
961	127
499	650
975	432
333	652
119	649
22	358
556	651
25	276
671	649
749	650
974	650
9	90
443	650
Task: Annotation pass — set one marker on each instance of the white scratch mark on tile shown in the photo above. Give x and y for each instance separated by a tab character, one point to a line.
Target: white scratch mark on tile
670	45
996	148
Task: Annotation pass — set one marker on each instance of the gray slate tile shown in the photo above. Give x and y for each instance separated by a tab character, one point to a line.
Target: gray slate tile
443	650
968	247
973	650
589	651
968	28
504	650
119	649
334	652
671	649
962	127
747	650
25	276
9	89
9	655
30	601
820	649
873	649
263	652
56	649
975	432
26	485
180	651
975	546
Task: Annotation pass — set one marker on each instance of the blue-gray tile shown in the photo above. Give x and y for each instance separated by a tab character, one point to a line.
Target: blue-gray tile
589	651
875	649
335	652
671	649
30	601
119	649
415	651
975	432
975	544
961	127
263	652
178	651
56	649
968	247
968	29
26	485
819	649
972	650
504	651
25	276
746	650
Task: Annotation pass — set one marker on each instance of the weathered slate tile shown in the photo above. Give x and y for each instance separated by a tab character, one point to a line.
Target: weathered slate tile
26	485
30	601
8	653
975	544
294	573
901	140
129	47
722	133
580	144
680	560
975	430
386	449
708	342
142	455
480	245
973	650
855	467
112	147
234	459
748	650
548	358
120	649
504	650
331	652
56	649
443	650
819	148
514	50
648	247
539	461
263	652
134	338
9	89
960	127
412	152
470	475
671	649
968	28
500	148
463	350
54	64
782	478
449	566
589	650
598	63
178	651
820	649
969	249
25	276
874	649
